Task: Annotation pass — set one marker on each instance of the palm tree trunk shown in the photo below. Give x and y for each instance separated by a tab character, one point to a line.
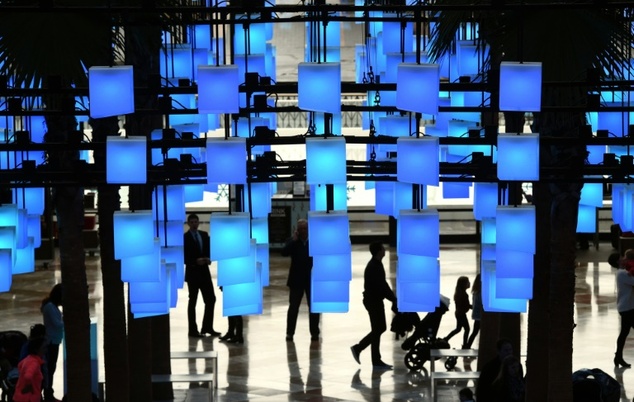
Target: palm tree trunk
70	220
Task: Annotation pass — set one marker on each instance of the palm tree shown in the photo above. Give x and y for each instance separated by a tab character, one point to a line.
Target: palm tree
570	41
40	48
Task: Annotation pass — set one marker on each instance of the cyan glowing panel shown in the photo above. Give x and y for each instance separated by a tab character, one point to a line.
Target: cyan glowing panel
262	259
332	267
232	271
392	62
260	230
490	301
318	197
616	123
384	197
488	252
595	153
326	160
193	192
172	288
202	36
417	87
126	160
485	200
617	203
514	288
29	198
34	229
175	254
227	160
144	310
7	240
251	41
180	62
488	231
418	233
143	268
329	233
455	190
9	215
626	206
520	87
21	234
171	232
468	58
218	89
417	160
329	296
150	292
515	228
418	296
242	299
396	34
25	259
168	203
319	87
133	233
586	219
416	268
38	129
518	157
110	91
6	275
507	264
230	235
592	194
403	198
260	195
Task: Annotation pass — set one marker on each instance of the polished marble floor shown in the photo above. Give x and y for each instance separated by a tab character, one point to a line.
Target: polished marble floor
267	368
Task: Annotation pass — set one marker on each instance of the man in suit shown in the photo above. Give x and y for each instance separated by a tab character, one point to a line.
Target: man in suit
299	280
198	278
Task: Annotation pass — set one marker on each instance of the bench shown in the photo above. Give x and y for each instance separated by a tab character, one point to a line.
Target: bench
195	377
200	354
451	376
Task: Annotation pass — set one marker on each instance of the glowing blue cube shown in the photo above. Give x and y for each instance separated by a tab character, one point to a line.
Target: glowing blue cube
417	160
243	298
488	230
176	255
144	310
490	301
586	219
515	227
34	229
592	194
260	196
518	157
485	200
218	89
170	233
25	259
417	87
126	160
6	268
326	160
230	235
143	268
110	91
418	233
329	297
403	194
384	198
232	271
452	190
251	41
193	192
520	87
416	268
227	160
29	198
133	233
418	296
260	230
262	259
514	288
318	197
329	233
319	87
150	292
332	268
168	203
468	58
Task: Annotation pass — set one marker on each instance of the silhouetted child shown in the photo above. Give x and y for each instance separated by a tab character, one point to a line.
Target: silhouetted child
628	261
461	298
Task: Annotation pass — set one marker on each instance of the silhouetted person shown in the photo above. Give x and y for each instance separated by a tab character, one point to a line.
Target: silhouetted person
29	385
490	371
509	385
376	289
299	280
198	278
624	305
54	323
476	312
461	298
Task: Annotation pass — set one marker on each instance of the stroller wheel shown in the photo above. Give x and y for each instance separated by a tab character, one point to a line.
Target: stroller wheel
450	363
415	358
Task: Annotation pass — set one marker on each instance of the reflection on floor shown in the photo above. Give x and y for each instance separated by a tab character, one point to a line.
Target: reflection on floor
267	368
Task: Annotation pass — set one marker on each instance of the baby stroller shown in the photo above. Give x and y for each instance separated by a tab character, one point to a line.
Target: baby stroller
424	339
